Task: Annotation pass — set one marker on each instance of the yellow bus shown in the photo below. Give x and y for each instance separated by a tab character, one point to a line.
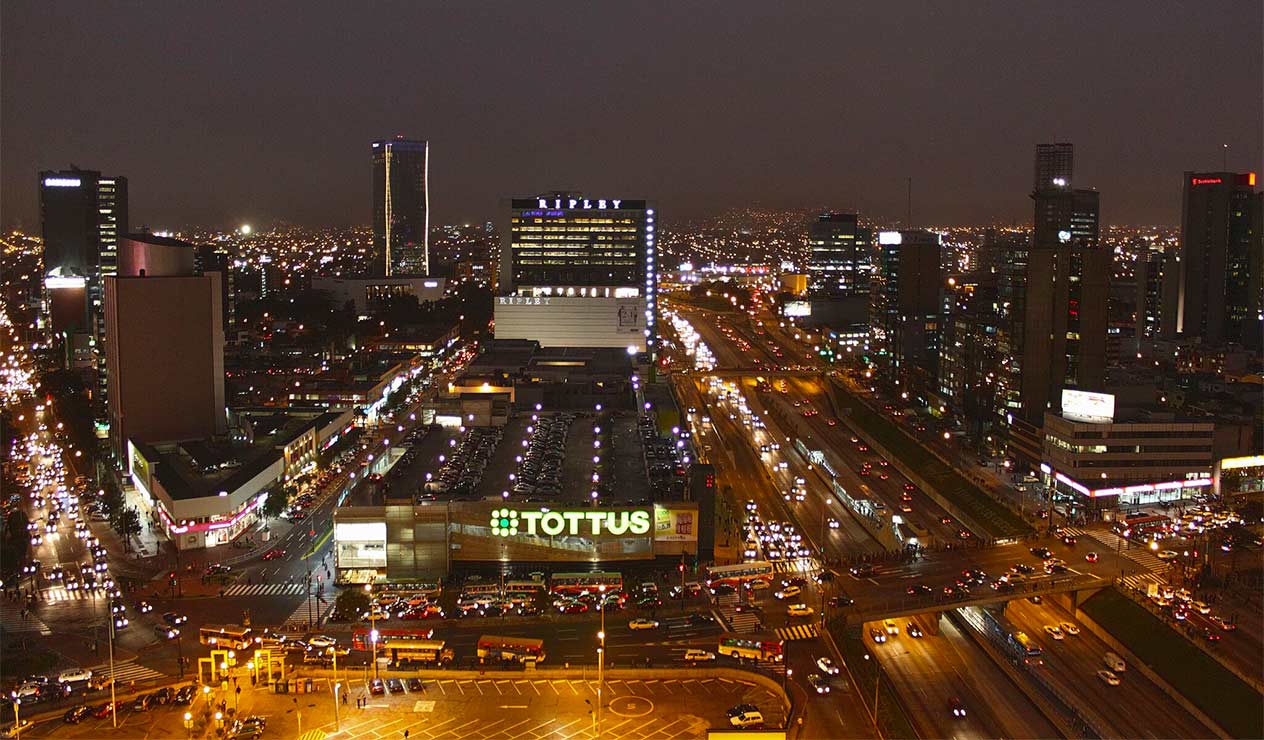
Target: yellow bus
226	636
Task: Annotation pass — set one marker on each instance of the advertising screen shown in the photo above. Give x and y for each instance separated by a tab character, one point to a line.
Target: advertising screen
1094	408
798	308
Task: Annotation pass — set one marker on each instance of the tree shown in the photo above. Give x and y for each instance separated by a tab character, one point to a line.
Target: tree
127	524
274	505
350	604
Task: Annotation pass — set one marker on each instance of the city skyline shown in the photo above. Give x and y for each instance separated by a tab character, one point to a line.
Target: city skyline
606	114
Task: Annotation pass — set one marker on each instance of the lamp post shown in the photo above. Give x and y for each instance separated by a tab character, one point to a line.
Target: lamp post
17	722
188	723
337	719
601	653
877	682
113	692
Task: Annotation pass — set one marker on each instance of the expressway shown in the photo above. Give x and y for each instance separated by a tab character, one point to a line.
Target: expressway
932	670
1135	708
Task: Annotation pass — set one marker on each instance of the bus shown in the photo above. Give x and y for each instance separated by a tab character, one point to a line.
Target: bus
734	574
480	589
226	636
526	650
1142	527
360	637
427	652
1027	649
752	646
577	583
524	587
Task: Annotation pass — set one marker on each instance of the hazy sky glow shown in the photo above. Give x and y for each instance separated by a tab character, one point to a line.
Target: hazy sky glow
226	112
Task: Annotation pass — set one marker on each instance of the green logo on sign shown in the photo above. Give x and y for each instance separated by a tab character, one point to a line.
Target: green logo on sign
504	522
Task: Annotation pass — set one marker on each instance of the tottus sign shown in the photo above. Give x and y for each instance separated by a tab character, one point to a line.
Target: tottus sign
507	522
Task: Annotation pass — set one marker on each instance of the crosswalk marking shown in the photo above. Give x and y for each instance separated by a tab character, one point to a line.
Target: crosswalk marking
1135	552
266	589
797	565
798	632
127	671
1142	581
12	622
309	609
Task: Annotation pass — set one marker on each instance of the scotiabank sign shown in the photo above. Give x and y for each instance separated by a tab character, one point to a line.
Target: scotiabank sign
507	522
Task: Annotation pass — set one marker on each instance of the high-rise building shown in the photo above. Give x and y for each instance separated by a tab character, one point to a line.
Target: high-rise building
401	206
164	346
840	277
1213	289
1151	264
840	259
578	272
82	214
907	304
1054	298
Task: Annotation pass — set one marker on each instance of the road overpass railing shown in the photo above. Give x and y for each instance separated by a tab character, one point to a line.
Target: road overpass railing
866	611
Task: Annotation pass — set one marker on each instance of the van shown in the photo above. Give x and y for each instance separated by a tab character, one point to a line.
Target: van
1114	662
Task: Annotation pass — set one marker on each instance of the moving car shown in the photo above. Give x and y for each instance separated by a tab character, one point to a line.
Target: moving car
747	718
1054	631
643	624
800	610
74	674
185	695
274	553
164	632
913	630
827	666
1069	628
819	682
321	641
1091	557
788	592
956	707
890	627
697	656
174	619
1108	677
878	635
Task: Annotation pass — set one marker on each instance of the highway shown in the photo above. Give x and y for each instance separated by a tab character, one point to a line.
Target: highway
1135	708
931	670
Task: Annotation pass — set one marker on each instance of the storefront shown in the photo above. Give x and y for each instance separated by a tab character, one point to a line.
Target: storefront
427	541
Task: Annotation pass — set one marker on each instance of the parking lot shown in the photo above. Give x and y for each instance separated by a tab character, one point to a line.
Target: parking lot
483	708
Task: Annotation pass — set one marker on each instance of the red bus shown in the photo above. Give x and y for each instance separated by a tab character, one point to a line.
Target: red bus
360	637
521	649
1141	527
576	583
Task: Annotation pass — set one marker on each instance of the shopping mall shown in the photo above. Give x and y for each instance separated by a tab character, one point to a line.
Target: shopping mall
404	542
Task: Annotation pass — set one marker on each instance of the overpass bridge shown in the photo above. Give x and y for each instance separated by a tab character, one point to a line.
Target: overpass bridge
869	610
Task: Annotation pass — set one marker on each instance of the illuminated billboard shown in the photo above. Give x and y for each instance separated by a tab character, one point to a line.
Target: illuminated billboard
797	308
675	525
509	522
1093	408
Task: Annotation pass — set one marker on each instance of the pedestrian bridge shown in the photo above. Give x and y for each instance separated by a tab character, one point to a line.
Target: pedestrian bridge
868	610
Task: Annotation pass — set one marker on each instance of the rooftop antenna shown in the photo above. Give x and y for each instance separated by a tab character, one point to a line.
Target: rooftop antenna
908	212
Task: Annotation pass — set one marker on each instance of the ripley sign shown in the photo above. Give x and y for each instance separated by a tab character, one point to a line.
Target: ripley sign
511	522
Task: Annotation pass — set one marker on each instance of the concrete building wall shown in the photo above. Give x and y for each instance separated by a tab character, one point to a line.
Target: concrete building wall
165	358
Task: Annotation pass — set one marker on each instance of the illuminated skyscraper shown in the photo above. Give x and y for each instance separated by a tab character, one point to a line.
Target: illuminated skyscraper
82	214
1212	282
401	206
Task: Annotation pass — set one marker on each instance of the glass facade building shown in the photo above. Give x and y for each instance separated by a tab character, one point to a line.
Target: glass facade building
401	206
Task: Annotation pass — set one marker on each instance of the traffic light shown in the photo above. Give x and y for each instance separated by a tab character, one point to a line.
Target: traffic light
709	480
680	568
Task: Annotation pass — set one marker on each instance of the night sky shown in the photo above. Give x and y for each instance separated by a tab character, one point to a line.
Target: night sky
229	112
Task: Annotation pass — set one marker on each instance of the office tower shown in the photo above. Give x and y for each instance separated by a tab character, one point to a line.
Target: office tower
1149	272
1213	280
578	272
208	258
1053	298
906	308
1053	166
164	346
401	206
82	214
840	261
